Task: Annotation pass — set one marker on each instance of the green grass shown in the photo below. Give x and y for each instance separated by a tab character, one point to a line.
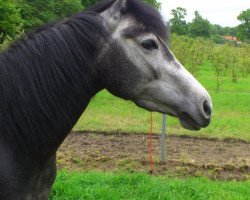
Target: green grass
208	79
111	186
231	112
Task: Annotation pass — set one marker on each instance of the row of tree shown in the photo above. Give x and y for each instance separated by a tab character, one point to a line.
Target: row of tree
200	27
227	60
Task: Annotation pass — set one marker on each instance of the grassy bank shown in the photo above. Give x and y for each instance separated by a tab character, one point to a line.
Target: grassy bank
231	111
96	185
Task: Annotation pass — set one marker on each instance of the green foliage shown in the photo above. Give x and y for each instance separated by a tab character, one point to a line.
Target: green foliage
199	27
231	60
220	65
191	52
88	3
178	23
229	31
65	8
244	27
10	18
139	186
218	39
37	12
244	60
5	42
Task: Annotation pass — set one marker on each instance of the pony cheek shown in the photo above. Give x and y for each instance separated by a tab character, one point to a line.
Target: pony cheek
122	88
122	79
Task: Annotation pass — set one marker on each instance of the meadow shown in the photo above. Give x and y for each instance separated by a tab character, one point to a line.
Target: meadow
230	119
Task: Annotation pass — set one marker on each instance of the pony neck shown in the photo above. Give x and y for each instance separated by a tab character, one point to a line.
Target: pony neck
47	81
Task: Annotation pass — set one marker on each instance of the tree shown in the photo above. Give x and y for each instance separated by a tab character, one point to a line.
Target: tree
10	18
199	27
178	23
244	27
244	62
219	60
37	12
218	39
216	34
217	29
191	52
88	3
229	31
65	8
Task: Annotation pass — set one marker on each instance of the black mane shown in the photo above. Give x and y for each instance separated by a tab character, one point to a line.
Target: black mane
43	79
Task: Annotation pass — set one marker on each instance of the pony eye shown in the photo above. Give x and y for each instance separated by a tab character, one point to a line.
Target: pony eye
149	45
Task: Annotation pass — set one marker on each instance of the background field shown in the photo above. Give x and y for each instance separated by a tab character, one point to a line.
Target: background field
231	112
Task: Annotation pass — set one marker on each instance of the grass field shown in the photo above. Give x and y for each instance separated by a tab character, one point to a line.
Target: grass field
111	186
231	112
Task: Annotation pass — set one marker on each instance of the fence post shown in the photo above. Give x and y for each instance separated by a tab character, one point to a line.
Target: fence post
163	139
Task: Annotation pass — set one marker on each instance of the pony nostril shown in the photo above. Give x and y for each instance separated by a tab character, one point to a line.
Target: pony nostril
207	109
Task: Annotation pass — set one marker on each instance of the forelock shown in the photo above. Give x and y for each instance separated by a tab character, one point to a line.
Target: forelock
143	13
148	16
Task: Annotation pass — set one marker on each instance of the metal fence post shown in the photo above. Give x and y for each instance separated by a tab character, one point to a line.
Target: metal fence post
163	139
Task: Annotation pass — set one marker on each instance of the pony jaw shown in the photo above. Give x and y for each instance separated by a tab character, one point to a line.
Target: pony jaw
161	99
185	119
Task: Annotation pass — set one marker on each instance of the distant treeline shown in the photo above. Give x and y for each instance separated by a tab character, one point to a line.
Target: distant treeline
200	27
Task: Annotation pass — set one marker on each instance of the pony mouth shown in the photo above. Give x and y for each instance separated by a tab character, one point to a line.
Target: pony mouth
185	119
188	122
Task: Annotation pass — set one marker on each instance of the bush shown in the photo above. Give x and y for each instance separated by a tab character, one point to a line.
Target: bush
10	18
36	13
191	52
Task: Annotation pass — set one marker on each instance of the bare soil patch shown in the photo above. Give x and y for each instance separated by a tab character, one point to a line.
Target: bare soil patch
226	160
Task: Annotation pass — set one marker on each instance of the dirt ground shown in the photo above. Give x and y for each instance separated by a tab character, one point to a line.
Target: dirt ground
226	160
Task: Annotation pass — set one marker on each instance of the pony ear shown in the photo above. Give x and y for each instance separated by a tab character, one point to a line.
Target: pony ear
115	12
119	6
